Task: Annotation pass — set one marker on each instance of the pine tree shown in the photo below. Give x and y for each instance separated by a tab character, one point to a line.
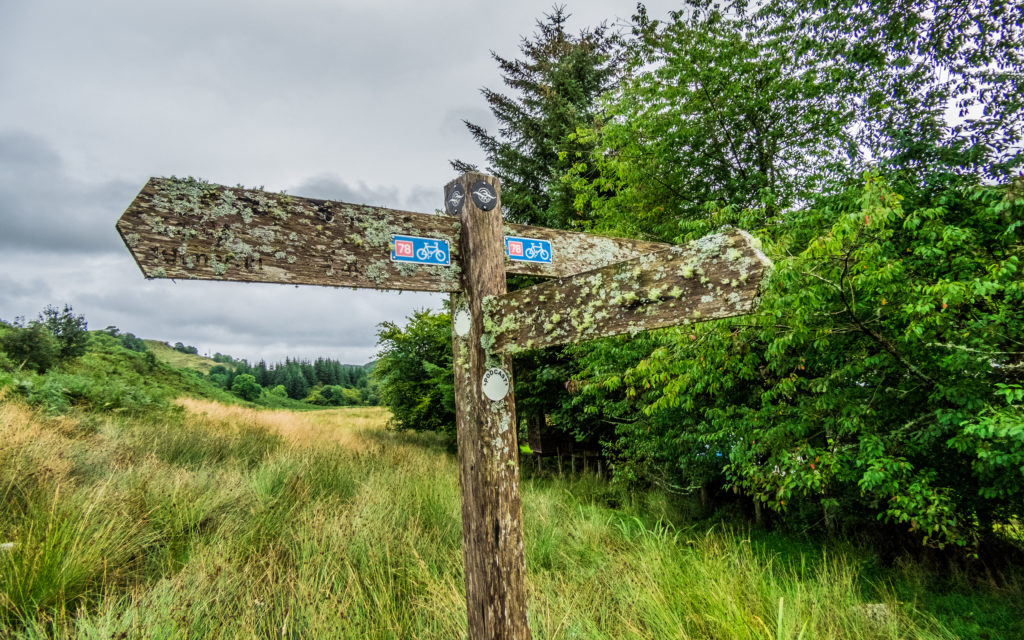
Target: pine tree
555	88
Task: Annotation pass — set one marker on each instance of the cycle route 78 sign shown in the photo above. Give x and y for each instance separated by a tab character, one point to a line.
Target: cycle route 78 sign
527	249
420	250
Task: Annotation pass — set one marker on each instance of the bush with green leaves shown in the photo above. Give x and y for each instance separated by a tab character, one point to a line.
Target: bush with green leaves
879	380
30	346
246	387
181	347
128	340
70	329
278	391
414	372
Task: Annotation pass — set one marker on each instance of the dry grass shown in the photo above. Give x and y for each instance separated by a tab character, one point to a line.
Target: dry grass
31	443
346	426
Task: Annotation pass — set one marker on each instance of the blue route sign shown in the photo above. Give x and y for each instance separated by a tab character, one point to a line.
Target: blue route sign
527	249
420	250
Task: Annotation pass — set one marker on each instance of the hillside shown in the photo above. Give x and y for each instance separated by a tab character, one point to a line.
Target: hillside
179	360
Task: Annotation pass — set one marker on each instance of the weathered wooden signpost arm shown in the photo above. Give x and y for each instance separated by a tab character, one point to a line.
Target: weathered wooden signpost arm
487	434
715	277
190	229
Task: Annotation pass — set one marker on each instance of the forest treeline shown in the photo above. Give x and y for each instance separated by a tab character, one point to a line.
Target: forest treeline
322	381
875	150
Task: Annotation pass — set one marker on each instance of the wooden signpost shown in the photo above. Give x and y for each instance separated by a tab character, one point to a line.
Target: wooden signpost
601	286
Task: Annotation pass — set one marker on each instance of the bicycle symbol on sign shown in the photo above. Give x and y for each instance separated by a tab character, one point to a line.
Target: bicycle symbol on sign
432	251
537	251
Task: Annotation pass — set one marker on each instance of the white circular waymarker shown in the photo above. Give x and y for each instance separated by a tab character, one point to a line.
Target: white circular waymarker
495	384
462	322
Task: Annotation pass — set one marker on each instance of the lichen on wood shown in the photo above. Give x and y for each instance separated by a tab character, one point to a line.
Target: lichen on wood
188	228
651	291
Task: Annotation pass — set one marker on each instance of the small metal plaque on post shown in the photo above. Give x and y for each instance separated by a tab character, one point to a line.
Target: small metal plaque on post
462	322
484	195
495	384
454	199
420	250
527	249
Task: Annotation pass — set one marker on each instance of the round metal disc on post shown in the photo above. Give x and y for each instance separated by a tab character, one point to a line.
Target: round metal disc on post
454	198
484	195
461	322
495	384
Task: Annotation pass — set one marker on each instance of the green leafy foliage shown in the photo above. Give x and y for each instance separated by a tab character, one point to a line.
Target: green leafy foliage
181	347
414	372
128	340
868	388
906	65
70	330
712	110
880	378
246	387
30	346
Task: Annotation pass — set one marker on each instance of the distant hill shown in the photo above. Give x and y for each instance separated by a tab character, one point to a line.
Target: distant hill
179	360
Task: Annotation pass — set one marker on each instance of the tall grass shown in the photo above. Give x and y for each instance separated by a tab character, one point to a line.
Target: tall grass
225	522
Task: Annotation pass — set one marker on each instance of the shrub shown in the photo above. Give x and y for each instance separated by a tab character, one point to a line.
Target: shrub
278	391
184	348
70	330
246	387
31	346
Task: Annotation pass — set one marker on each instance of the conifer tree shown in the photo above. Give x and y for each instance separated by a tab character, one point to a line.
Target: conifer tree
554	90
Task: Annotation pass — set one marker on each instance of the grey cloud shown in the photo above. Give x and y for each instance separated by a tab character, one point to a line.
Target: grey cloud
331	188
42	207
409	198
454	121
425	199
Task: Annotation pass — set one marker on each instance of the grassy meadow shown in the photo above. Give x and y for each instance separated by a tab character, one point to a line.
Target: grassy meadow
214	521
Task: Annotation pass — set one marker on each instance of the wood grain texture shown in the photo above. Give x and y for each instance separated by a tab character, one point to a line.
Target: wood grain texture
717	276
189	229
488	446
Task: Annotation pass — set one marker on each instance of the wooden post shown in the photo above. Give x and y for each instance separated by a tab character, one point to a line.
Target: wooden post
485	415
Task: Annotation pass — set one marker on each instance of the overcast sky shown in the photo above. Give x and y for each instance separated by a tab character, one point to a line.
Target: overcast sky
353	101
